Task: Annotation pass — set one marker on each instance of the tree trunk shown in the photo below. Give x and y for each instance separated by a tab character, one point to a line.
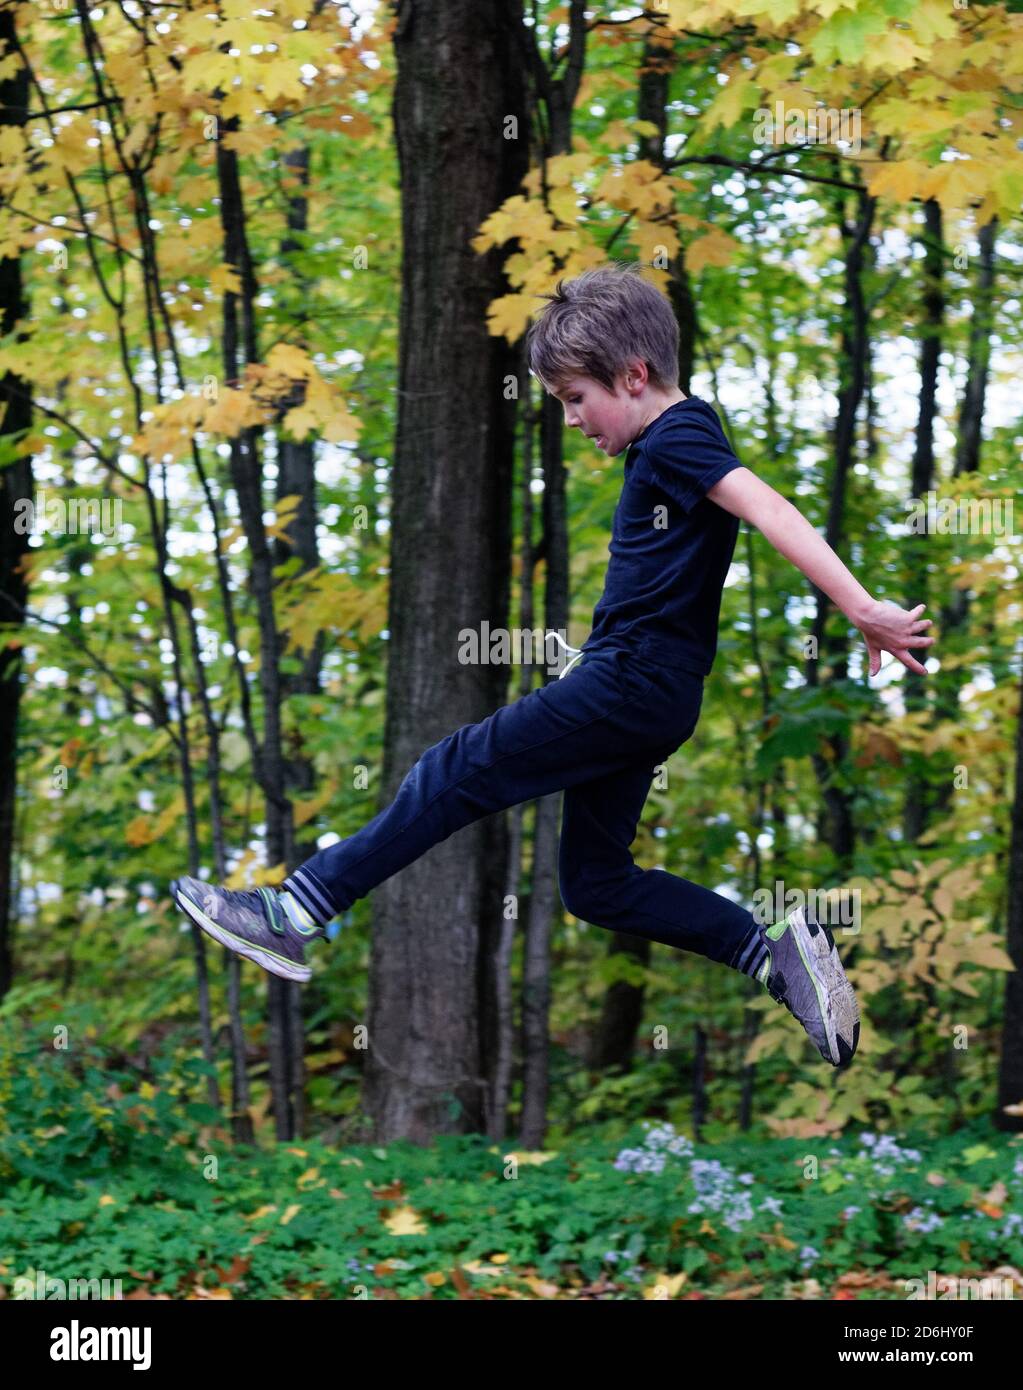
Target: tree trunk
497	1002
916	810
296	476
840	830
955	608
456	90
15	483
1010	1068
241	346
613	1041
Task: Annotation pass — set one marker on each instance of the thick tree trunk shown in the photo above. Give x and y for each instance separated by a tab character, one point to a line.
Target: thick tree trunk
458	85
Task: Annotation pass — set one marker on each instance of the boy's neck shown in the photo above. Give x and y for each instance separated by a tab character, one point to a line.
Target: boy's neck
657	406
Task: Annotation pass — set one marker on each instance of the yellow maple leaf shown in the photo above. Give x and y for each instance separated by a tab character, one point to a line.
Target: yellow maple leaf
894	51
281	79
729	106
653	238
224	279
956	184
299	421
243	31
340	426
932	20
206	71
564	203
899	179
403	1221
290	1212
637	187
231	413
715	248
291	360
564	168
917	117
509	314
525	218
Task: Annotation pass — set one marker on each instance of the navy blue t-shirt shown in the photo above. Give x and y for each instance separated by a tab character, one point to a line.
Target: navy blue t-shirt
670	547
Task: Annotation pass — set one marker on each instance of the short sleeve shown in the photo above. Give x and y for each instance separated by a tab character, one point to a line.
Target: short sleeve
688	453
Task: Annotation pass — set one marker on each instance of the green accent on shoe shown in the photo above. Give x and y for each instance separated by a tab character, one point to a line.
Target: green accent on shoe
273	911
764	970
777	931
299	918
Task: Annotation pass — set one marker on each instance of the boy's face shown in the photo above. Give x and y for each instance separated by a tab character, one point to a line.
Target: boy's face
607	419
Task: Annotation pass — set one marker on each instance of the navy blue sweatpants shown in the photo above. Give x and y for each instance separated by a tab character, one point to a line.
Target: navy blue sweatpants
600	733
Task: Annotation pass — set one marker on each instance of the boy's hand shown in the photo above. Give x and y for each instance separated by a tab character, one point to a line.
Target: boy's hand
887	627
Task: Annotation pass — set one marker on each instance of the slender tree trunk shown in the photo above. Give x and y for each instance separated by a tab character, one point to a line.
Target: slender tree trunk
613	1040
296	476
852	374
240	346
971	414
956	602
15	484
916	810
1010	1067
498	1003
658	63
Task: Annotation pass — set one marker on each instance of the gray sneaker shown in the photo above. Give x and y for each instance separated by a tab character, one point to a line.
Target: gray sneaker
804	973
250	922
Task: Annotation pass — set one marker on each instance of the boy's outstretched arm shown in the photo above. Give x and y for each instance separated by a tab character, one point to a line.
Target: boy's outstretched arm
884	625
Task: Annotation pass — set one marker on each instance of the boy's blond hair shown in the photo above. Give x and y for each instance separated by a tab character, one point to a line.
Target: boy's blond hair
597	323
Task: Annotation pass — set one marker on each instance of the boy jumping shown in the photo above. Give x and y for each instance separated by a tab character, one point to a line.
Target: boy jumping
607	348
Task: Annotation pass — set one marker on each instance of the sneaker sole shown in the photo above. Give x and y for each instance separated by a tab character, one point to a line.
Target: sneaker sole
836	1000
276	965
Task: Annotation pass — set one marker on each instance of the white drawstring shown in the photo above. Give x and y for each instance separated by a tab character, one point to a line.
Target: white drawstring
578	653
